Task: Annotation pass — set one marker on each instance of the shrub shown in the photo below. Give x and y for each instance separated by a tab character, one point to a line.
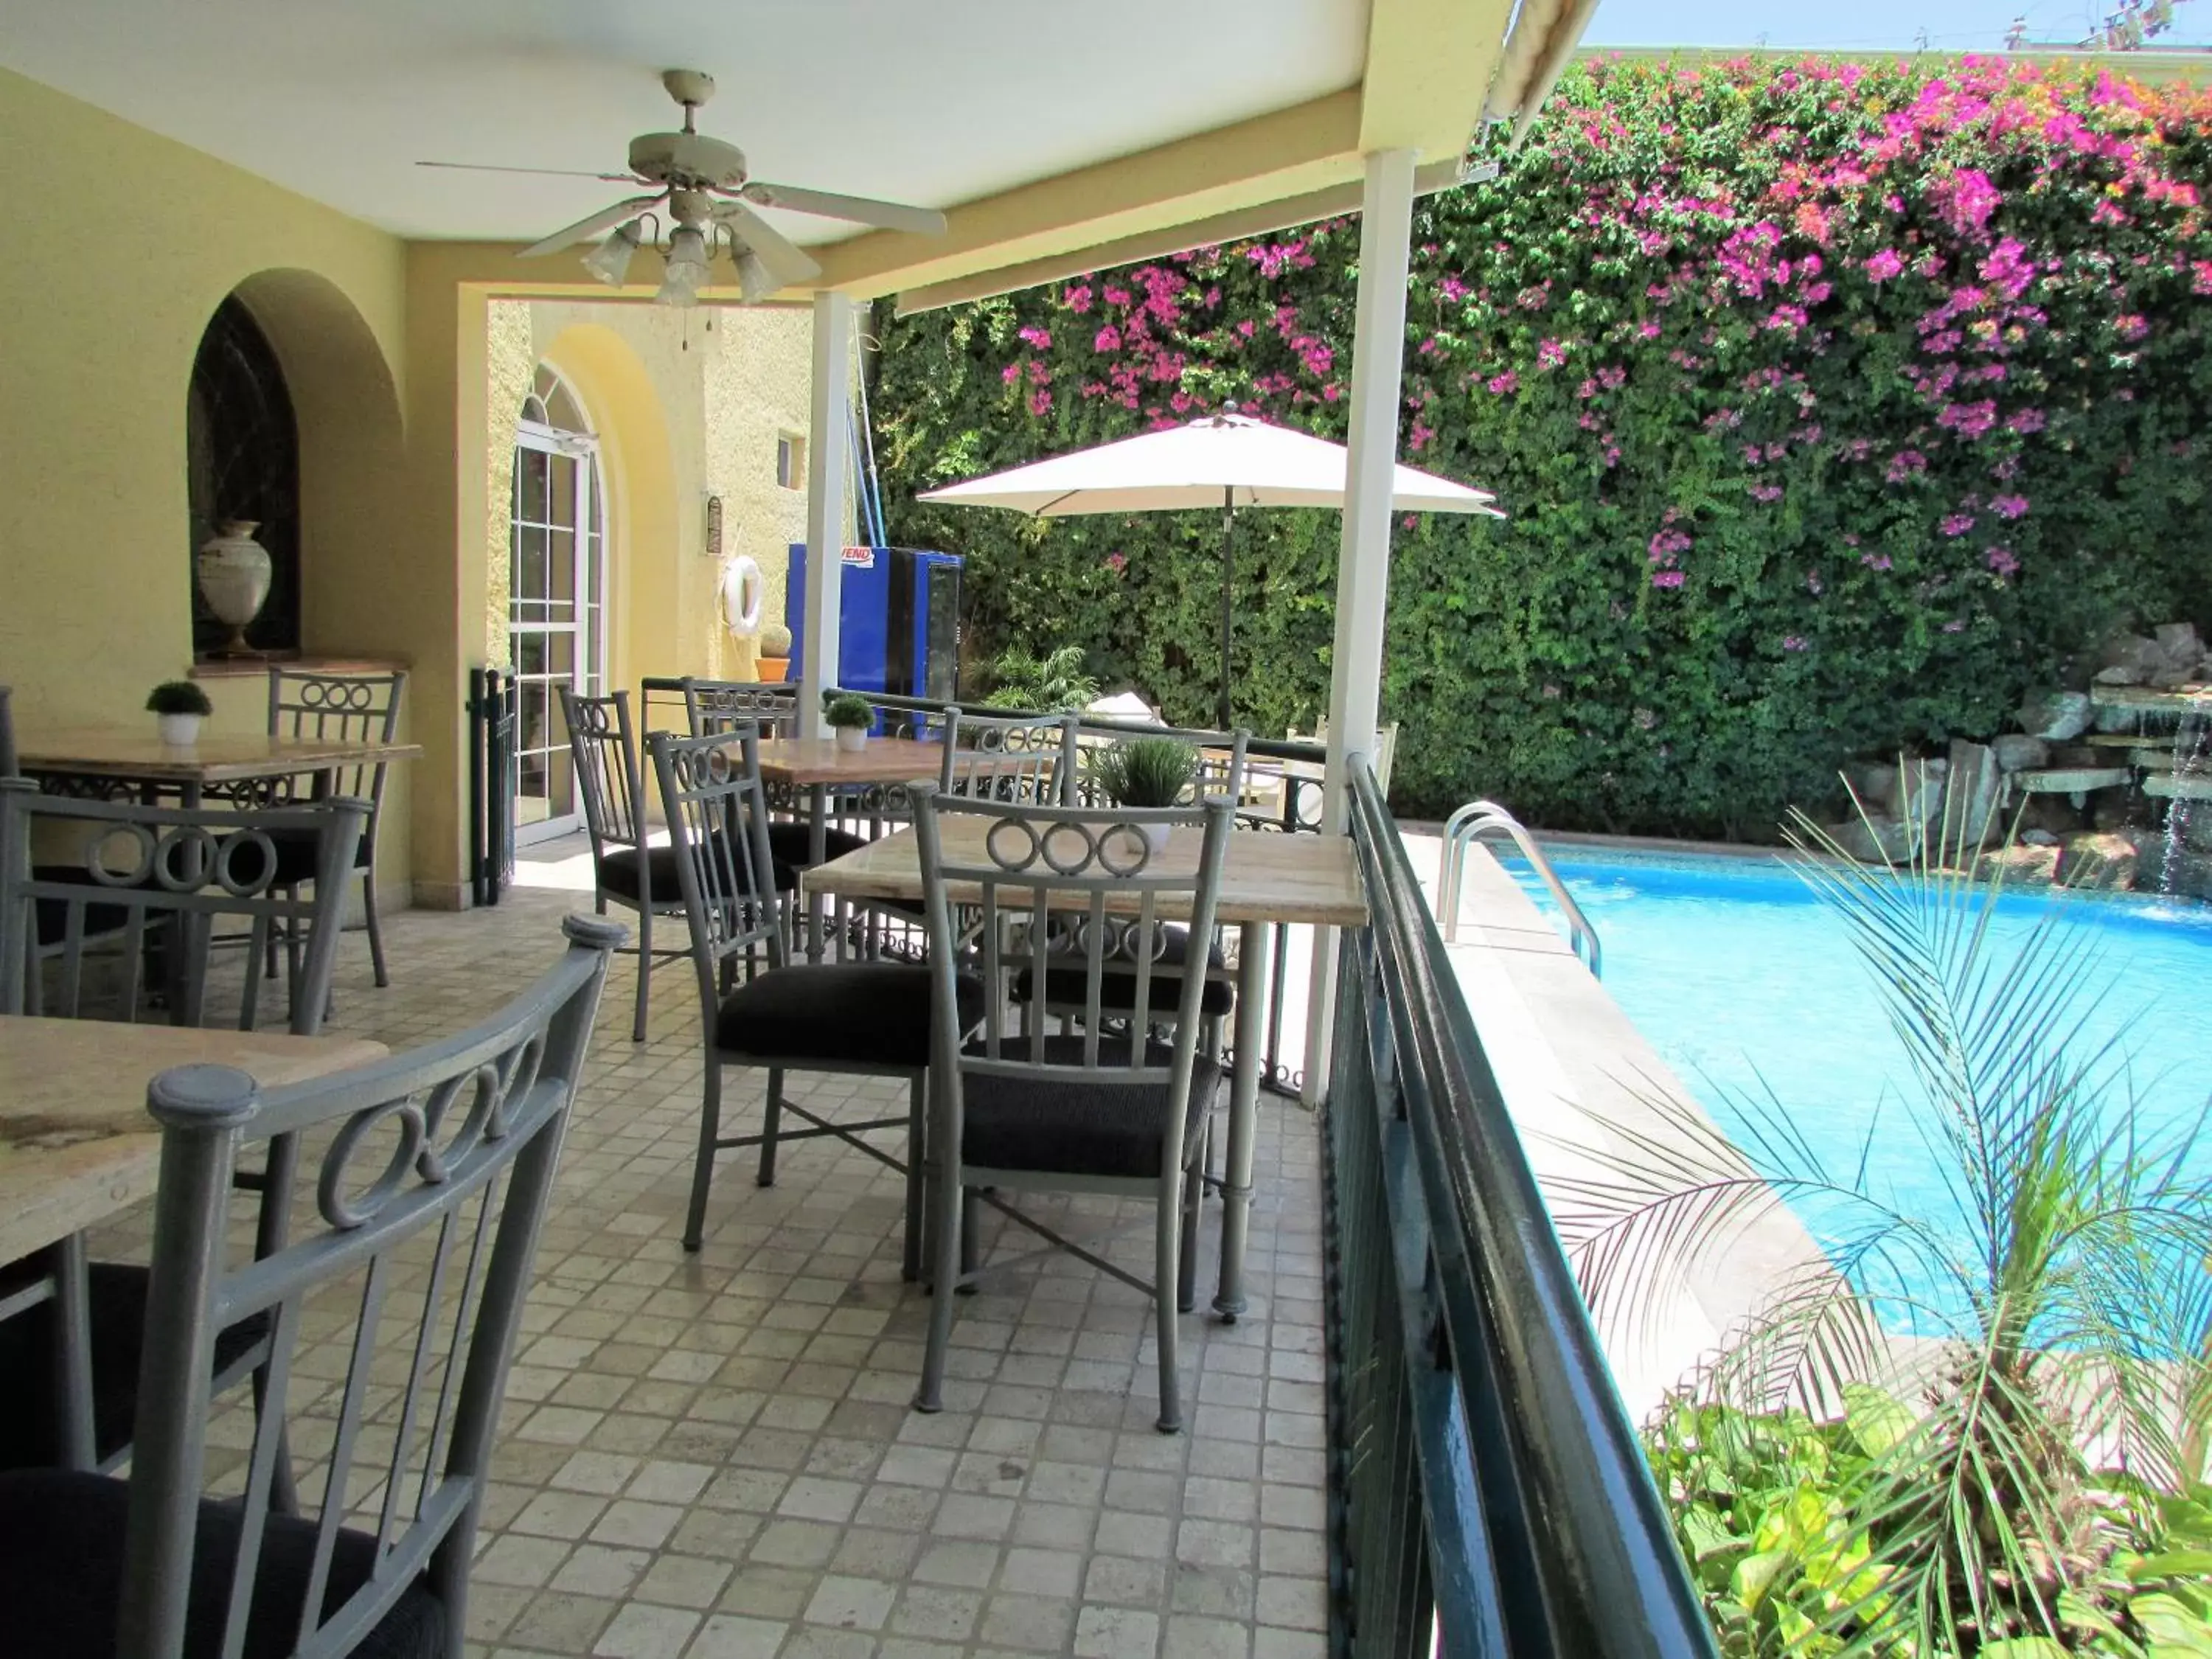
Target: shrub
849	710
178	697
1833	404
1144	771
1054	684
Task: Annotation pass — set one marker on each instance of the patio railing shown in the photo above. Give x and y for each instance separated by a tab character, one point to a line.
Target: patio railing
1492	1495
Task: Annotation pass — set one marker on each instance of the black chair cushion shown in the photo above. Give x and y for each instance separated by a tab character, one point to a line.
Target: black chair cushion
787	843
618	874
30	1437
61	1571
296	854
869	1013
1081	1124
1118	990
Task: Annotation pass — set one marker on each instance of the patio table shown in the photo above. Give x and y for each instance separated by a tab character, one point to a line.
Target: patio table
103	761
819	766
76	1145
1265	879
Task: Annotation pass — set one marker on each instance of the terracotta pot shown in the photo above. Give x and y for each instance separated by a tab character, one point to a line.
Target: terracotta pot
774	668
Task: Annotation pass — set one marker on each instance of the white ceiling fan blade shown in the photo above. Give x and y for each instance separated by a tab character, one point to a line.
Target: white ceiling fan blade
584	230
784	259
548	173
860	209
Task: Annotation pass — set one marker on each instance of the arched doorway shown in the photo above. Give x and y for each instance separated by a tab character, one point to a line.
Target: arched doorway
556	604
242	463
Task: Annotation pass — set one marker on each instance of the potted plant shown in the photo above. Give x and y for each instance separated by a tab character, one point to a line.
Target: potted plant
1151	772
774	651
850	717
179	706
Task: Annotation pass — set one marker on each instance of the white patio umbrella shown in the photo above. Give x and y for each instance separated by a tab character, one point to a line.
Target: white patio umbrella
1225	460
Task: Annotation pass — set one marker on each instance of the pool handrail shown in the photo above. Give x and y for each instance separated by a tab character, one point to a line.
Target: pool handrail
1486	818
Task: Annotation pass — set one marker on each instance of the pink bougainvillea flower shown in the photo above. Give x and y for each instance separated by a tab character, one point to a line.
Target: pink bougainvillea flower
1117	562
1884	264
2008	507
1421	434
1077	298
1504	385
1032	335
1665	579
1040	401
2131	327
1793	642
1451	290
1956	625
1010	373
1550	353
2027	422
1904	464
1651	331
1956	524
1108	338
1874	560
1766	492
1969	420
2001	560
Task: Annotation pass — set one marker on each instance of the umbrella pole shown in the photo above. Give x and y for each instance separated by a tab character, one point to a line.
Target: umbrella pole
1228	570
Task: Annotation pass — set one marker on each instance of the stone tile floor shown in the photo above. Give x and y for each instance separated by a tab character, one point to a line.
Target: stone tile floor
713	1457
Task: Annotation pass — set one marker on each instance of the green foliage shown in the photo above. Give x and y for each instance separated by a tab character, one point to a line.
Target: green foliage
1054	684
2068	1286
847	709
1144	771
178	697
1833	405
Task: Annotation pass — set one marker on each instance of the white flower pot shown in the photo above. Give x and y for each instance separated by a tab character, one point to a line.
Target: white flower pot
234	572
179	730
851	739
1156	837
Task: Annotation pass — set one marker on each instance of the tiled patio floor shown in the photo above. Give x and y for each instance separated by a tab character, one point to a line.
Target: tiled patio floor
713	1457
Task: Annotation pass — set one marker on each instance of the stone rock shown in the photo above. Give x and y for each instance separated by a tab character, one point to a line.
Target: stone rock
2054	814
2018	752
2167	867
2038	838
2054	714
2076	756
1875	839
2103	862
2112	810
2196	827
2110	718
1916	800
2120	673
2018	867
2128	651
1872	781
1973	790
2178	641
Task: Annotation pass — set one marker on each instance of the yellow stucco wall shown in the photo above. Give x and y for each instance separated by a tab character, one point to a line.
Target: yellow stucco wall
758	392
100	318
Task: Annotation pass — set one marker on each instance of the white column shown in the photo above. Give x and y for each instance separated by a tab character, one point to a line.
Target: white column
1363	560
829	476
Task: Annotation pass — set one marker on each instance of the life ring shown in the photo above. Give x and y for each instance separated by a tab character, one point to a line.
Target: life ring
742	591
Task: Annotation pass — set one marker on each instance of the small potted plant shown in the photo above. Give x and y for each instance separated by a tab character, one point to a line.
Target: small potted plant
774	651
1147	772
850	717
179	706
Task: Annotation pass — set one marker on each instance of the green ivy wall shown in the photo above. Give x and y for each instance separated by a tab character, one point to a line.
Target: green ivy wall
1832	407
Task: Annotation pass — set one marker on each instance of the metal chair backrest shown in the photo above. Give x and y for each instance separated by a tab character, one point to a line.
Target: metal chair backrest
340	708
1010	758
717	808
712	706
429	1203
168	872
610	776
896	720
1062	890
9	768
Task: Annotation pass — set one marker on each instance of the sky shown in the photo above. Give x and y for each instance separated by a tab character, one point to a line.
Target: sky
1863	25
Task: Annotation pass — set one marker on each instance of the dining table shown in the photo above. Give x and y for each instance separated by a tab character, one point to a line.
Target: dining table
102	761
1266	879
824	770
77	1146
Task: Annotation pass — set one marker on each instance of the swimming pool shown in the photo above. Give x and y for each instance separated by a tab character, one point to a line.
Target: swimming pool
1749	986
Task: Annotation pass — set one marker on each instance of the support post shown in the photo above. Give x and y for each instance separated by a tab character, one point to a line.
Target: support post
1363	560
828	477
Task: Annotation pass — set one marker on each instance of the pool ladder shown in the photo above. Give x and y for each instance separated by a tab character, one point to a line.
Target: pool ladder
1479	818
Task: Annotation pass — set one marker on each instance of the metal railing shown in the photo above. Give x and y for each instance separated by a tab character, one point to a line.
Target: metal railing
1491	1495
1486	818
493	711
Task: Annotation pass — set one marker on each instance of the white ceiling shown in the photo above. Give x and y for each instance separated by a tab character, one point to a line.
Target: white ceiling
930	101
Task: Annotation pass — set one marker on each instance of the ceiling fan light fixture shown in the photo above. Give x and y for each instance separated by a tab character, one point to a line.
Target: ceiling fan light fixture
754	281
609	260
686	271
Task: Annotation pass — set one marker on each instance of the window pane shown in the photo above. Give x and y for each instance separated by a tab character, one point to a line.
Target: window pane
561	565
529	576
530	654
563	500
594	647
561	657
529	488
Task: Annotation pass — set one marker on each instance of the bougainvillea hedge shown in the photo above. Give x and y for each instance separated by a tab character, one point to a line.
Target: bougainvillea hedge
1833	405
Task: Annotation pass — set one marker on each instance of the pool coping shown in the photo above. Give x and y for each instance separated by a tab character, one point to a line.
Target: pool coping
1575	1072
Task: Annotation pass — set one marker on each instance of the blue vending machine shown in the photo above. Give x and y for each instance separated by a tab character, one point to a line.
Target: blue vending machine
898	620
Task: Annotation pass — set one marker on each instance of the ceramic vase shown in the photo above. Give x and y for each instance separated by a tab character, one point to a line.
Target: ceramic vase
851	739
1156	837
179	730
234	572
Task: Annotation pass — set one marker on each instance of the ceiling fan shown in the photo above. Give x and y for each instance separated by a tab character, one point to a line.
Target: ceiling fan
703	187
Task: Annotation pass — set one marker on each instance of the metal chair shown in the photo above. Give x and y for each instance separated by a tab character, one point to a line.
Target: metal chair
149	876
428	1204
626	868
1021	1110
771	707
1010	758
341	709
8	766
871	1018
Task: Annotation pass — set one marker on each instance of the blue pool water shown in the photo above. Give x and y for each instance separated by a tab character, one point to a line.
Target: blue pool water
1749	986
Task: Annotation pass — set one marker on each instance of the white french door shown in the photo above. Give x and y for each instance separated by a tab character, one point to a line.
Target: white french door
556	615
